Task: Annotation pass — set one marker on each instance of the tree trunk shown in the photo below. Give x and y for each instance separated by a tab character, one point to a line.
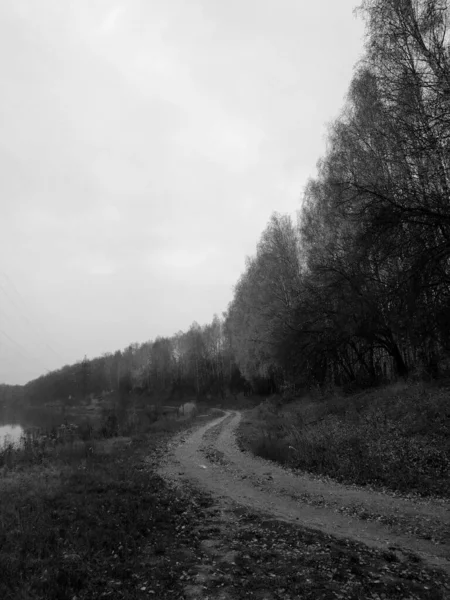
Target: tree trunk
400	365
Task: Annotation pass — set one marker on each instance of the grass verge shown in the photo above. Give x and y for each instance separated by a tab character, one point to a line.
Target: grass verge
92	520
275	560
397	437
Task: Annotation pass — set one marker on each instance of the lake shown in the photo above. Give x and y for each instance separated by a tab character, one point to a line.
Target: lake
14	423
10	434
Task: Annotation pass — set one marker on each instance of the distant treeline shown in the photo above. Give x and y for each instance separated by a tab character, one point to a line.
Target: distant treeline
197	363
358	289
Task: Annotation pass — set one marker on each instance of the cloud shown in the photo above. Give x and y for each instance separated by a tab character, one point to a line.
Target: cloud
216	136
111	213
152	61
176	260
100	268
144	146
91	262
184	259
111	20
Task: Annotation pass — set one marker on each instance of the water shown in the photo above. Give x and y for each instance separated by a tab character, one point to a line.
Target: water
10	434
15	423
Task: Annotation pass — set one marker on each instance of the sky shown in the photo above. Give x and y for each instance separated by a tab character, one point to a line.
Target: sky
144	145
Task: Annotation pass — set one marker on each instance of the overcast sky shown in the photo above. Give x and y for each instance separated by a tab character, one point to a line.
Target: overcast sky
144	145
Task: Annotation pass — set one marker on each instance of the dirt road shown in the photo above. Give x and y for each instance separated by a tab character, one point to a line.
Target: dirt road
209	457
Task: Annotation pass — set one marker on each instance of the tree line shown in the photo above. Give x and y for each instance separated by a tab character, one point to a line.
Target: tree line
356	290
197	363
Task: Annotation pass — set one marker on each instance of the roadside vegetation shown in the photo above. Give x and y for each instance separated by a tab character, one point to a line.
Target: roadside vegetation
396	436
85	516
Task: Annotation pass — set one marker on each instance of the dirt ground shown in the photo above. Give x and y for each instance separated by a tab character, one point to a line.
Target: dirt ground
409	530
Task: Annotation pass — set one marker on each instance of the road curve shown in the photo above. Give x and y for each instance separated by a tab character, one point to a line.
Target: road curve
210	458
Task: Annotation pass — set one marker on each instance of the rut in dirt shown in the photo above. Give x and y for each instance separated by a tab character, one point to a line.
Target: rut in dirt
210	457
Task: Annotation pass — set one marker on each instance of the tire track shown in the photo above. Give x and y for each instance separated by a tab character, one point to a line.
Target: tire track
210	457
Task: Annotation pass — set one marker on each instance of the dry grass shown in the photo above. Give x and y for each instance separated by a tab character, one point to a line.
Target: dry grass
77	516
397	437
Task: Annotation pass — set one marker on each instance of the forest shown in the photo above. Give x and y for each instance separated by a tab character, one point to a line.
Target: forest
356	290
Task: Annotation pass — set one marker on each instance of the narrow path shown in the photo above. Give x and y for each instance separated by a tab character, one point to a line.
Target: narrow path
210	457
